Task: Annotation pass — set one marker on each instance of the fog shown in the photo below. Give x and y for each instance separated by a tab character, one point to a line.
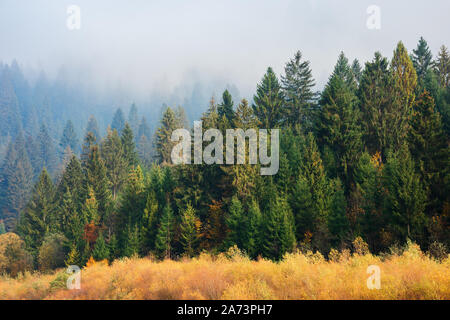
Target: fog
165	48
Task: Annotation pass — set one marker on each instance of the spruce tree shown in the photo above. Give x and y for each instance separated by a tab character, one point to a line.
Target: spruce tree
92	127
338	125
133	120
163	143
69	137
442	66
164	237
404	82
405	196
429	148
129	146
226	107
15	182
45	151
189	231
235	223
101	250
115	162
422	59
37	218
298	84
268	101
118	122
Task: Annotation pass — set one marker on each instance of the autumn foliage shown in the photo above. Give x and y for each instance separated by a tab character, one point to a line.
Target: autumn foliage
409	275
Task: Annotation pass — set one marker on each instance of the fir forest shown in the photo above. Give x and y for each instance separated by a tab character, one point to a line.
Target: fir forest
363	180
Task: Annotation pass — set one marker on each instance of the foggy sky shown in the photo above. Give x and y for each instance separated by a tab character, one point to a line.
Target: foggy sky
148	46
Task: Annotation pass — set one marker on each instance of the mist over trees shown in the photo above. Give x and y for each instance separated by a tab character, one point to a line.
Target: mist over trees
365	157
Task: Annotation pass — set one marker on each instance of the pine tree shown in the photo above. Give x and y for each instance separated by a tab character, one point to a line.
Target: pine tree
268	101
253	230
338	125
356	70
189	231
375	95
69	137
442	67
405	196
422	59
129	147
150	221
163	244
88	143
144	129
133	120
118	122
429	149
226	107
101	250
338	223
9	106
298	83
92	127
15	182
46	151
278	230
344	71
235	223
115	161
404	82
37	218
97	179
74	257
163	143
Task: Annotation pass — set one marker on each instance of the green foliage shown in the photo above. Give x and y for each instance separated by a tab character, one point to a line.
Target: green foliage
298	84
69	137
164	237
268	101
101	250
226	107
51	253
189	231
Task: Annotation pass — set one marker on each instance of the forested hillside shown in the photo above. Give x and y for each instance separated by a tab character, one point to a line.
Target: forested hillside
366	158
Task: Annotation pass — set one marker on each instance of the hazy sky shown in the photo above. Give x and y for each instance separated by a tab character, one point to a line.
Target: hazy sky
155	45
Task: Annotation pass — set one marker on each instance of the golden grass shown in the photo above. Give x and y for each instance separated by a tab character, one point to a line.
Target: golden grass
412	275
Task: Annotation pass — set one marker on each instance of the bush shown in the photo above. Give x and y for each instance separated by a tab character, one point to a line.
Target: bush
51	253
360	247
13	256
438	251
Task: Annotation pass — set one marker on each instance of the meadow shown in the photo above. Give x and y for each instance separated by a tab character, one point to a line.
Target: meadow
409	275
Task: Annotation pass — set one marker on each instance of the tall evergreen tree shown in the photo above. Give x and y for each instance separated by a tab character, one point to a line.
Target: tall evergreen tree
164	238
118	122
298	83
163	143
338	125
405	196
442	66
422	59
189	231
115	162
69	137
129	146
376	106
133	120
46	151
404	82
144	129
15	182
226	107
268	101
430	150
37	218
92	127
